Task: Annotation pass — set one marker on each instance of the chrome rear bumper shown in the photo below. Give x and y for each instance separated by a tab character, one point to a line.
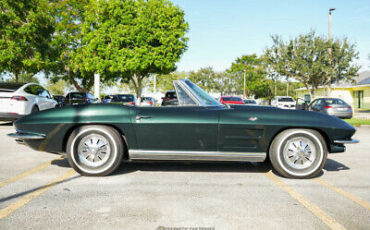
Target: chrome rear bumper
353	141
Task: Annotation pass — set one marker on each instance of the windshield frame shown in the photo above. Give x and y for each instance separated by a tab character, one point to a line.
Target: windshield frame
183	83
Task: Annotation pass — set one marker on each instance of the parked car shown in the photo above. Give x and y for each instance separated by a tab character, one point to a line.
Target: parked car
233	100
124	99
284	102
147	101
78	98
97	138
59	99
170	98
332	106
250	102
19	99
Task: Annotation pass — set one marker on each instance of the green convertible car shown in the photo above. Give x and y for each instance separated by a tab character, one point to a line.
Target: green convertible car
98	137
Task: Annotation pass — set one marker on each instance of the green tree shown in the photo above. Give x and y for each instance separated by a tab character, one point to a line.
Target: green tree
59	87
165	81
25	30
254	70
207	78
131	39
341	64
307	60
69	16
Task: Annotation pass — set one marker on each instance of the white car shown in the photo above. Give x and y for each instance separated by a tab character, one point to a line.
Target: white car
284	102
19	99
147	101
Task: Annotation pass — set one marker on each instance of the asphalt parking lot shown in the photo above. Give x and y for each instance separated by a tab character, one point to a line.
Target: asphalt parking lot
40	191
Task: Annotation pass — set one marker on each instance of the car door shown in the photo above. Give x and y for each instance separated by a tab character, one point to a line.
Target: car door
313	105
320	106
42	101
179	128
51	103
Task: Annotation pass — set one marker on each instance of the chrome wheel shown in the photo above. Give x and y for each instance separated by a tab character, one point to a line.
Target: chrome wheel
299	153
93	150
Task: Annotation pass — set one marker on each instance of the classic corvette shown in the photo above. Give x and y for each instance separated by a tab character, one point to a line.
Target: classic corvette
98	137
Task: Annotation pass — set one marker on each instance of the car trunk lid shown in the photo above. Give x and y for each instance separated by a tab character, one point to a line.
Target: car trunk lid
5	98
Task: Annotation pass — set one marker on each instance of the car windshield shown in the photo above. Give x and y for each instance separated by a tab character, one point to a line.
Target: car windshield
146	99
286	99
232	99
334	102
171	95
77	95
124	98
250	102
205	98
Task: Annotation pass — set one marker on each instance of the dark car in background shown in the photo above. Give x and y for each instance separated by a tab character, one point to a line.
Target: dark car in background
78	98
233	100
332	106
59	99
124	99
170	98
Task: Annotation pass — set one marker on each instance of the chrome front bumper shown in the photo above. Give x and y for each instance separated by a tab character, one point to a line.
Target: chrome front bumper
352	141
26	136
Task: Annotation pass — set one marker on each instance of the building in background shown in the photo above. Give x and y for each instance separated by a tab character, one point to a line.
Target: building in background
356	94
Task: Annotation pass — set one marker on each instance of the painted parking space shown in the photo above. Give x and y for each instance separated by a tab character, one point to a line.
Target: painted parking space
149	195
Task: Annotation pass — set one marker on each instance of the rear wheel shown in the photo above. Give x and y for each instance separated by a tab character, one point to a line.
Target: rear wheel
35	109
95	150
298	153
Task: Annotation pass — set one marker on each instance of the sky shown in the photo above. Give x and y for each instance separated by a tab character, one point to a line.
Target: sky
222	30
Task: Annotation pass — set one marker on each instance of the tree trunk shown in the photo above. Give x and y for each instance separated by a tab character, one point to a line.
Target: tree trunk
75	84
138	85
15	75
308	89
287	88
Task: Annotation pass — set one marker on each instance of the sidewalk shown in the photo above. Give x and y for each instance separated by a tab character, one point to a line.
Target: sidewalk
362	114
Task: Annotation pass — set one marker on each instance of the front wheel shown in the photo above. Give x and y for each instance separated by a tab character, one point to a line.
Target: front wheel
298	153
95	150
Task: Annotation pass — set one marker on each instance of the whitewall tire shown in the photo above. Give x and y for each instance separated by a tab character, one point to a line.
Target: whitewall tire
95	150
298	153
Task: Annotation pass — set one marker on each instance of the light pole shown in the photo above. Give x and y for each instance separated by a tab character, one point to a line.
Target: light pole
97	75
155	84
97	85
329	32
329	50
244	84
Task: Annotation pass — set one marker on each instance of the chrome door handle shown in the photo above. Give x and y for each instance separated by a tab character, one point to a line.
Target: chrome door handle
138	118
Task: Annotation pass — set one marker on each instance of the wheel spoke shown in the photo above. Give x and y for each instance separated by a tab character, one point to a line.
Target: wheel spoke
94	150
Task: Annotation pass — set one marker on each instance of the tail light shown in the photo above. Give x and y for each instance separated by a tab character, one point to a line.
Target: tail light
132	103
86	99
349	107
150	102
328	107
19	98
